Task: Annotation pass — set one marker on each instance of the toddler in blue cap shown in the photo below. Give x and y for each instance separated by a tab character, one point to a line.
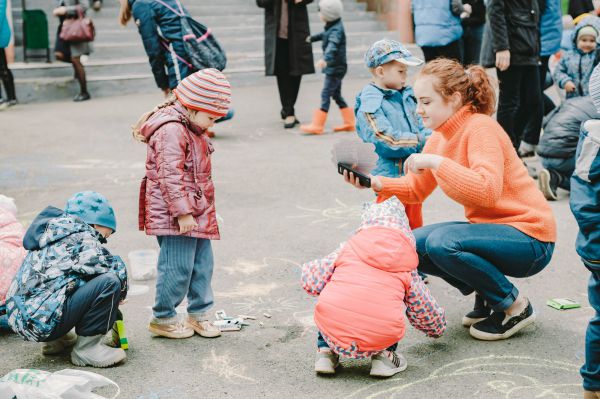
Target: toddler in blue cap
386	113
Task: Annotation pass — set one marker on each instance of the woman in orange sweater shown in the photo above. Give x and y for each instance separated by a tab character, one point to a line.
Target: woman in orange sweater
510	230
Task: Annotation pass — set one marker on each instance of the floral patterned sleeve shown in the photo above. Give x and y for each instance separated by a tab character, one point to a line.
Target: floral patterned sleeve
317	273
422	310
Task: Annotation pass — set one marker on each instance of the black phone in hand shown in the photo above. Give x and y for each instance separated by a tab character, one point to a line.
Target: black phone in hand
364	180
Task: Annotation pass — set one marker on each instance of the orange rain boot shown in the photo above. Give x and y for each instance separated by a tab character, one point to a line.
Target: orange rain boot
349	122
318	123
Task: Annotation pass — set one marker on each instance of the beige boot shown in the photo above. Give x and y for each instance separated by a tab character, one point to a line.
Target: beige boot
349	121
90	351
59	345
318	123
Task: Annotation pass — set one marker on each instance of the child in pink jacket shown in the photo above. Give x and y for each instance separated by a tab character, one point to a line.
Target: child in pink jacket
365	287
11	249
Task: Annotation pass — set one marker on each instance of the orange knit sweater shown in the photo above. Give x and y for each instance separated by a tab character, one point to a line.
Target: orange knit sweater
482	172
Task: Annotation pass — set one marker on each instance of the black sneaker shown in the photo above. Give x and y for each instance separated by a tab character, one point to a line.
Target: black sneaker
81	97
480	312
291	124
548	181
501	326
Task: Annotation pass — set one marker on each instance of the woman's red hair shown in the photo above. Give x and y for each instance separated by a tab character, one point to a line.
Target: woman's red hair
472	83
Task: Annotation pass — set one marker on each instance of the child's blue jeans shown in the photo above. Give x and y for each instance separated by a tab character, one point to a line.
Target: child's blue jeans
590	371
332	88
185	267
322	344
478	257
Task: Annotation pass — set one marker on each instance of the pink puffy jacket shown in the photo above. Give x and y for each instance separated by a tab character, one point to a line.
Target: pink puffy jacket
178	177
12	252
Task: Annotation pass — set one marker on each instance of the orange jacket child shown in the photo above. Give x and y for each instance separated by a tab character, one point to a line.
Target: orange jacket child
367	285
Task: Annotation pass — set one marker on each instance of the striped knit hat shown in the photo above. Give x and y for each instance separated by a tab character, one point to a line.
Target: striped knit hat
206	90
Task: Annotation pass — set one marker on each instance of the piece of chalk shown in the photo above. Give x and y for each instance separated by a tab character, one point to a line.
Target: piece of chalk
268	316
243	316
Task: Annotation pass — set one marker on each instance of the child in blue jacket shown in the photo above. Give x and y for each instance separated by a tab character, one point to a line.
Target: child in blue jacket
585	205
575	67
386	113
334	67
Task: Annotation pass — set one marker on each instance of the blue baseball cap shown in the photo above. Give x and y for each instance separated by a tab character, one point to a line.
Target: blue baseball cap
386	50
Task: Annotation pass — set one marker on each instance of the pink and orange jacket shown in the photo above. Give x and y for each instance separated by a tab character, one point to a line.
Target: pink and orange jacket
12	252
367	285
178	177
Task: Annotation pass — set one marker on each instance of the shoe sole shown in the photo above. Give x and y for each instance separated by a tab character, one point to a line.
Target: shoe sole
468	322
77	361
390	372
484	336
544	185
170	335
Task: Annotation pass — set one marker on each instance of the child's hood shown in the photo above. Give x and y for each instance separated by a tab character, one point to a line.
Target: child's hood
592	21
52	225
171	113
384	239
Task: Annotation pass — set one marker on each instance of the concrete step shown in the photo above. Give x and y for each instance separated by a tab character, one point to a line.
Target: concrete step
136	65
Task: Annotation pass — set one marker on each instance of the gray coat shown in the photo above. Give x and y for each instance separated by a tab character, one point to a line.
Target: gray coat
301	57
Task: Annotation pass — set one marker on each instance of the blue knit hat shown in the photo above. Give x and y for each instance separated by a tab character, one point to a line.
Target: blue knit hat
92	208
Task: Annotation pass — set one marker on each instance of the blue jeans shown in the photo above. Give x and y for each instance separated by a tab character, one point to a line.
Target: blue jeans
185	267
332	88
322	344
563	166
590	371
478	257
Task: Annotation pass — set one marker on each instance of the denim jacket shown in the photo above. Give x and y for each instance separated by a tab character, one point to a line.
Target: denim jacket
388	119
585	193
334	47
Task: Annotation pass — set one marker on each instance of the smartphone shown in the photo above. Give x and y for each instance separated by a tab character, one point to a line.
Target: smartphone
364	180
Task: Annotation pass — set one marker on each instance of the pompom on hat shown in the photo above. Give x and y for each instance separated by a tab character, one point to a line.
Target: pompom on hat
207	90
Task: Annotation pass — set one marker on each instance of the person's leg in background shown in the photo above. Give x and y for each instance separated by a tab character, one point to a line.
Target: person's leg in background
317	125
348	124
288	85
534	116
509	101
556	173
451	51
590	371
8	81
80	76
528	123
472	40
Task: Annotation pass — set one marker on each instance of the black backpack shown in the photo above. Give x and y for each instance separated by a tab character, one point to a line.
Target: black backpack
201	47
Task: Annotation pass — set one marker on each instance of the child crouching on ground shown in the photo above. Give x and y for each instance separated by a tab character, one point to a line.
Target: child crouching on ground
11	251
364	289
334	67
177	201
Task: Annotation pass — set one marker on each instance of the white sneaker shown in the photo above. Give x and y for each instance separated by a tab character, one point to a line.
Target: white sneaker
326	361
58	345
387	363
90	351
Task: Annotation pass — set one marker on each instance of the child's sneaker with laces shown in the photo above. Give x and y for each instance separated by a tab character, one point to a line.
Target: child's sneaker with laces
171	327
326	361
501	325
204	328
387	364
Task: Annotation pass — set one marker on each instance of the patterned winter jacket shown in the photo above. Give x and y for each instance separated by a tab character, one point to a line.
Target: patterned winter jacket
63	253
388	119
367	285
178	176
11	250
576	66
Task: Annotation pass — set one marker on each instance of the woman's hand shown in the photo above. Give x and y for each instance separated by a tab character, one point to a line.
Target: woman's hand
417	163
186	223
59	11
503	60
376	184
321	64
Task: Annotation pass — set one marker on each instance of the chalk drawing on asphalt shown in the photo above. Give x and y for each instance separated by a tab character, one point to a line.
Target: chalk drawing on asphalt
265	305
249	267
227	367
247	290
490	377
342	214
